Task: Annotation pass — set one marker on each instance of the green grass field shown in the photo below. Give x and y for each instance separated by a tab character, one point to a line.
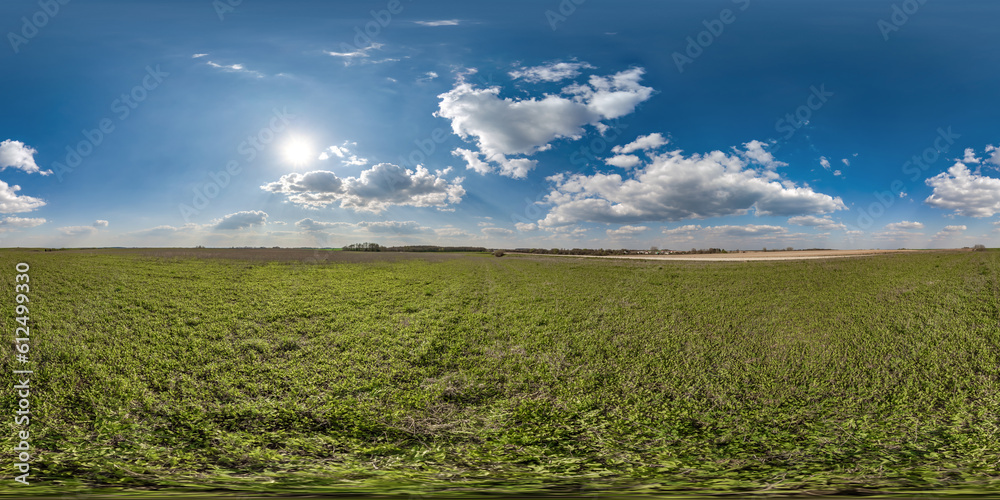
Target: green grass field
430	374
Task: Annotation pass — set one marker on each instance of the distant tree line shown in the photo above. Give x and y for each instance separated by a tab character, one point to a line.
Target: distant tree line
364	247
375	247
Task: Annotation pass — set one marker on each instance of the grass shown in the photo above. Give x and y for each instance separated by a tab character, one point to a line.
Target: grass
340	372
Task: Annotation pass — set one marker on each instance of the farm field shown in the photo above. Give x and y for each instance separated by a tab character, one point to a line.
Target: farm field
314	372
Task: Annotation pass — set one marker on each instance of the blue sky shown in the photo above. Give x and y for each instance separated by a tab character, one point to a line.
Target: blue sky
544	123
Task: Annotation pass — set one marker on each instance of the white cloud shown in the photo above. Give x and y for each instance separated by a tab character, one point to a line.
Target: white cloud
394	227
350	55
550	72
452	232
441	22
642	143
196	56
846	162
166	231
950	232
824	223
836	173
377	227
673	187
241	220
15	154
15	223
101	223
964	192
497	231
526	227
472	161
995	156
623	161
904	226
235	68
970	157
749	232
824	162
342	152
505	127
382	186
627	231
10	202
428	76
755	151
78	231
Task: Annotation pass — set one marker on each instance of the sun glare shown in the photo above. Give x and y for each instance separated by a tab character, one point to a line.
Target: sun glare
298	151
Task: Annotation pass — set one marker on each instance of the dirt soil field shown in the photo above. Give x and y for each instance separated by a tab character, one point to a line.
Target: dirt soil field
758	255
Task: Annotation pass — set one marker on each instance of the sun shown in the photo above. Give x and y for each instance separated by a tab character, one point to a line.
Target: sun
298	151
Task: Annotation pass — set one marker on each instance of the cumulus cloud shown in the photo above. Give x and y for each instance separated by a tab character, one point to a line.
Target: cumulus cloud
10	202
526	227
16	154
623	161
673	187
642	143
15	223
756	152
382	186
101	223
472	161
343	153
241	220
994	155
506	127
550	72
964	192
970	157
824	162
823	223
627	231
904	226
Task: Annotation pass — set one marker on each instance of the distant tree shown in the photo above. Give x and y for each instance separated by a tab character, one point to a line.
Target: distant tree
498	253
979	248
789	249
654	249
